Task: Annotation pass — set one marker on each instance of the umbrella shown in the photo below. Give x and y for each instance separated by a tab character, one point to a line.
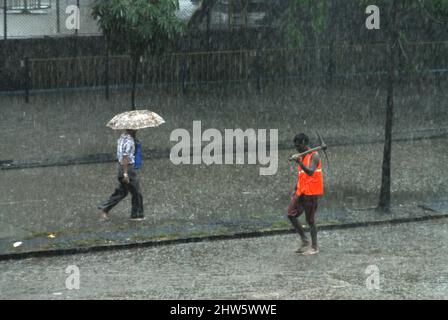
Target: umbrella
134	120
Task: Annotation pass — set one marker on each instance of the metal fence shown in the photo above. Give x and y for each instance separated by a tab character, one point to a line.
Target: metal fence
178	70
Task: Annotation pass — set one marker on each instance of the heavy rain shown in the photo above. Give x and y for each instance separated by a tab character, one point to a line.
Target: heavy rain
366	83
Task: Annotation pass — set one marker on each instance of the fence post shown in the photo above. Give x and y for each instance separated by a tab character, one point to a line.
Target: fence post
184	66
257	69
26	66
184	72
106	70
5	16
331	64
58	18
79	10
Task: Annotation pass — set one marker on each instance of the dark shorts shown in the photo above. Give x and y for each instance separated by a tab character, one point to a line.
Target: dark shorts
303	203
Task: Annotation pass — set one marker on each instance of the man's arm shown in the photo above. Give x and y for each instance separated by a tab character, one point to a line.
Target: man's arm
314	163
125	169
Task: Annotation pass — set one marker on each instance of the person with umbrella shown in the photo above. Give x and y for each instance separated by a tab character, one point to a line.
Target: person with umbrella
127	176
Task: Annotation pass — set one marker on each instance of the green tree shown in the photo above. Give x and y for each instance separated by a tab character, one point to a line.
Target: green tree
306	24
138	26
204	10
395	35
304	13
392	47
436	9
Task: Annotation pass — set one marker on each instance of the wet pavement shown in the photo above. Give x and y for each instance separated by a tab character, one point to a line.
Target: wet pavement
54	208
69	125
409	262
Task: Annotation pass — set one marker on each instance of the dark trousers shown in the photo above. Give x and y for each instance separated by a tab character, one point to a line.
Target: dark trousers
122	191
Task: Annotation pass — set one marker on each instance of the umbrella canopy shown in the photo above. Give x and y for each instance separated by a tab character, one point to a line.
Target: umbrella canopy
134	120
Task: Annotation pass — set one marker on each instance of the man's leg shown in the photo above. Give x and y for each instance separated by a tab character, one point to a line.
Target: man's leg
119	194
313	231
310	204
137	198
295	209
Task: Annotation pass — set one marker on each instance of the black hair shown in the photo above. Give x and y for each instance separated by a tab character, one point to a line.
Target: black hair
132	132
301	138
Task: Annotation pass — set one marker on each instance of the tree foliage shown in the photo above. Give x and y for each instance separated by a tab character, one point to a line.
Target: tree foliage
437	9
306	19
304	13
138	25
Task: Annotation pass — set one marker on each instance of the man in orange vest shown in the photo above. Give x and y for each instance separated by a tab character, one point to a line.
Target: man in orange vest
308	188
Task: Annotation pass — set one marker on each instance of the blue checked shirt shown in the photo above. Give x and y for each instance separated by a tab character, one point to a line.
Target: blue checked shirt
126	147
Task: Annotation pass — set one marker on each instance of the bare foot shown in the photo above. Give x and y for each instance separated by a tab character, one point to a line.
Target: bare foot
104	216
311	251
303	247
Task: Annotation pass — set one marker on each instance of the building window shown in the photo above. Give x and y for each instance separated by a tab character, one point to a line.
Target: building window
25	6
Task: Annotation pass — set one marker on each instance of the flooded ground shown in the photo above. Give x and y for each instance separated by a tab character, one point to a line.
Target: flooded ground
56	126
410	259
185	199
62	199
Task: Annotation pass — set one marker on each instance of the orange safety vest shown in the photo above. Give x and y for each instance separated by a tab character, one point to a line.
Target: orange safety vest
310	185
